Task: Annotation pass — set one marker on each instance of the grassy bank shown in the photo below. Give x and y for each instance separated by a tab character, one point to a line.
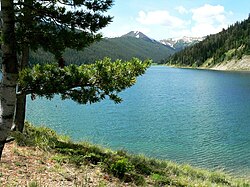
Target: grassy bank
40	157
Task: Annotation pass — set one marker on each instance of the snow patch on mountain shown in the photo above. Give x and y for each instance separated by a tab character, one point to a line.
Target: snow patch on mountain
181	42
176	44
138	34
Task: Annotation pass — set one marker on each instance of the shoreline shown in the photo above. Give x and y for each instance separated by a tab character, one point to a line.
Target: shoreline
41	157
242	65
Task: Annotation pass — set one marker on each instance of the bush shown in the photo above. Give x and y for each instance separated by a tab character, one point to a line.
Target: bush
120	167
42	137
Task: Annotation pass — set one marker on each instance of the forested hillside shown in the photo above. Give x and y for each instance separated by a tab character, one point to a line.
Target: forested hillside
123	48
229	44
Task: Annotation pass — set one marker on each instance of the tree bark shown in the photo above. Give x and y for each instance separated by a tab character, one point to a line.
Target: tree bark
21	99
9	70
20	112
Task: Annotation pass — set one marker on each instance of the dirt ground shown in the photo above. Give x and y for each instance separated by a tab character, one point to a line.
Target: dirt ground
28	166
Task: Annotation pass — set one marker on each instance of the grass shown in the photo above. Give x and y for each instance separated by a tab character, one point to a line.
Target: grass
114	168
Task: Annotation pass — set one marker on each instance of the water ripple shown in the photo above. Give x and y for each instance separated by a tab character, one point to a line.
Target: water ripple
188	116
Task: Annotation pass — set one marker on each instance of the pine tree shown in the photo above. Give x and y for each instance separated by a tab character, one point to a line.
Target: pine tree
55	28
51	26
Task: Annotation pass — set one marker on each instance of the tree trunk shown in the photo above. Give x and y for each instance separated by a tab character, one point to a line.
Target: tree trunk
21	99
9	70
20	112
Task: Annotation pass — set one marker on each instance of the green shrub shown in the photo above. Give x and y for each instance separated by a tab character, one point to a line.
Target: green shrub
122	153
137	179
42	137
120	167
161	180
141	164
93	158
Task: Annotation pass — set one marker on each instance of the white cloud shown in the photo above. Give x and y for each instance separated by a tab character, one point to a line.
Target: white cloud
204	29
159	17
181	10
208	19
209	14
204	20
199	21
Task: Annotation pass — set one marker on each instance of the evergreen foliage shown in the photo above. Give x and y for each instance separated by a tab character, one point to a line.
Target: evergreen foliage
83	84
57	25
54	26
229	44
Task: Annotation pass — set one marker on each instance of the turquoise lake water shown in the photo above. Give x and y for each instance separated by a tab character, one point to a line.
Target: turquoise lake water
190	116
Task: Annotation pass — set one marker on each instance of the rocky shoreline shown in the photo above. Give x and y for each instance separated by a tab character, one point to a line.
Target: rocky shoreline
234	65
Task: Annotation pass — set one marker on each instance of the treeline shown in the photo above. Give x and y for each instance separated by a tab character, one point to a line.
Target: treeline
229	44
124	48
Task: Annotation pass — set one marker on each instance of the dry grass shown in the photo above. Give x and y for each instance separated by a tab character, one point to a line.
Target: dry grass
48	159
29	166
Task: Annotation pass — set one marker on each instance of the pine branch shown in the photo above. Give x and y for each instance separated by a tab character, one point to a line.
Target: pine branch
85	83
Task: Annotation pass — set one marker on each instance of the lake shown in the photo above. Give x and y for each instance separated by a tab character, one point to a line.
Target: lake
190	116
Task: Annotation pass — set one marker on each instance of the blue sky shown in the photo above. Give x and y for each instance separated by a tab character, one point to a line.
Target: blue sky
161	19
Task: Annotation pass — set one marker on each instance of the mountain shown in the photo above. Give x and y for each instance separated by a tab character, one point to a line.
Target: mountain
136	34
231	44
132	44
176	43
180	43
125	47
140	35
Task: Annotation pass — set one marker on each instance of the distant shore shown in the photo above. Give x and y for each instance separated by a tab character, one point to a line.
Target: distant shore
232	65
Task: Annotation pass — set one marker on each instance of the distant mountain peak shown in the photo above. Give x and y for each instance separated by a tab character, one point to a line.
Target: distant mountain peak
136	34
180	43
139	35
